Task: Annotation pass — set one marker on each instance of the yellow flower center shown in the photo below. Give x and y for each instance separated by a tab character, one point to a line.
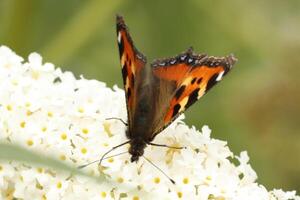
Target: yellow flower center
179	194
39	170
83	150
185	180
62	157
81	110
156	180
135	198
44	129
59	185
28	113
85	131
103	194
44	197
105	144
22	124
63	136
29	142
120	180
9	107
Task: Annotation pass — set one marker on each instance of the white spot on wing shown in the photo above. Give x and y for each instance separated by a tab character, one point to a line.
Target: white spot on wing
173	61
139	56
119	37
161	64
220	76
183	57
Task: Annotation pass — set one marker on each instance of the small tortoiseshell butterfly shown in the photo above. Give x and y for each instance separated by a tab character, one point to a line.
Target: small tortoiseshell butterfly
158	94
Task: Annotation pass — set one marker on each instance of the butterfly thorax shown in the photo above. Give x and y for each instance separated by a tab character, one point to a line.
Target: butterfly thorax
137	146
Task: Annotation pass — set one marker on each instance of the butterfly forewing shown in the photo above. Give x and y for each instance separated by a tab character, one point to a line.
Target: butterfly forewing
182	81
133	63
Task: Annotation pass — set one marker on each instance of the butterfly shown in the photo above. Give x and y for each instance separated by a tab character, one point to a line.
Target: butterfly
157	94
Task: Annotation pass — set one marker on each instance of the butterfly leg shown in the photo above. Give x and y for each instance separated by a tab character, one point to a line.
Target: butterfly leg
163	145
115	147
121	120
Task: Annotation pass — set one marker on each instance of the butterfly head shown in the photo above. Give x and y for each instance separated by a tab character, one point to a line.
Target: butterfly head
136	149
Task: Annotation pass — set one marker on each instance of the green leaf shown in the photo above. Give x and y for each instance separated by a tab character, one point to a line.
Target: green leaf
79	29
9	152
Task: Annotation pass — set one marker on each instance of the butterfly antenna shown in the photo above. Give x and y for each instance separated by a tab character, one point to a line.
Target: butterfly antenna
171	180
115	147
83	166
121	120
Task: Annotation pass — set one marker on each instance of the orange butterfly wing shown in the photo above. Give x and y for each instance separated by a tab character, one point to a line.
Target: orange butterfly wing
192	76
132	62
175	83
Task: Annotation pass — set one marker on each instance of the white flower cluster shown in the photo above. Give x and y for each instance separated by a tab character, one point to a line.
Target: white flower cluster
51	112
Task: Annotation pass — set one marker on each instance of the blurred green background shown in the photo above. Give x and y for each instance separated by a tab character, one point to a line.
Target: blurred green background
256	108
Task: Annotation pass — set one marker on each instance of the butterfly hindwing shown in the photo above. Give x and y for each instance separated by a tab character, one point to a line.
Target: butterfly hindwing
183	80
133	63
